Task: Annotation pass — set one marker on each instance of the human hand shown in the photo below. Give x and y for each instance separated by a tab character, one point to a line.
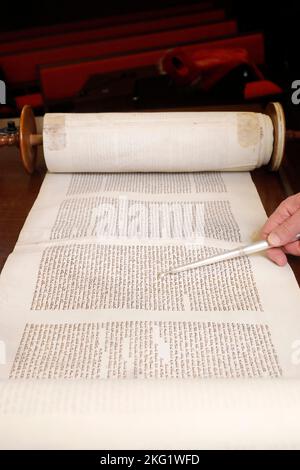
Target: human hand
281	228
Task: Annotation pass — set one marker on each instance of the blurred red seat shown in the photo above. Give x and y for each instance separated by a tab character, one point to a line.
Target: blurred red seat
104	21
123	30
21	68
64	80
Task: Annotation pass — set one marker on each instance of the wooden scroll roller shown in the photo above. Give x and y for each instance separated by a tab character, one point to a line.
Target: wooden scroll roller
26	138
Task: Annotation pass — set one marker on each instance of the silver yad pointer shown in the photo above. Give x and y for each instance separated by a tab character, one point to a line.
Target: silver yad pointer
237	252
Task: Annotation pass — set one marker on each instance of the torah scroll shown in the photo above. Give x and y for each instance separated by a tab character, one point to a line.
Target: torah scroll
157	142
97	351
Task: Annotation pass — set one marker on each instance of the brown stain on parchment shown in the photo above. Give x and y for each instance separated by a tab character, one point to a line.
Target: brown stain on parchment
56	132
248	129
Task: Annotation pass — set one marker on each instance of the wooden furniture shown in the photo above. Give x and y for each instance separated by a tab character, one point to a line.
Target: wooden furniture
63	80
104	21
97	31
21	67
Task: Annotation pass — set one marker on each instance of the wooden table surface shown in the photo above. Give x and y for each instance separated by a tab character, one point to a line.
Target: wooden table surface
18	191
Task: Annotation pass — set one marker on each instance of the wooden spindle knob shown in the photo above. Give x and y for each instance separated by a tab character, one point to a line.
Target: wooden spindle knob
9	135
292	135
25	138
276	113
9	140
27	130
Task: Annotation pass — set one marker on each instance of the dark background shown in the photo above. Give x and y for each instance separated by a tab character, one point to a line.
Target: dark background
280	21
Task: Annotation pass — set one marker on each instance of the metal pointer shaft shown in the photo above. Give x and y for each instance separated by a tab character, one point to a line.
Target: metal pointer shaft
237	252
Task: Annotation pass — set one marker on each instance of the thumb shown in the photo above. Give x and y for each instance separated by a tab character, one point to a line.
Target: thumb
285	232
